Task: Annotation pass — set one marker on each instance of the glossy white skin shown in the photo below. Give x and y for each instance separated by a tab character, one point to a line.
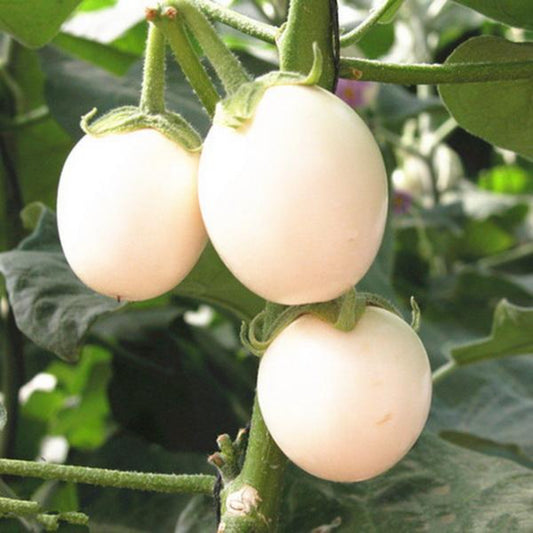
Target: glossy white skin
295	201
345	406
128	215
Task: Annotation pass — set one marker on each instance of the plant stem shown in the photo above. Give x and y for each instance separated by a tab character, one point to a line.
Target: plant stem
444	371
251	502
153	86
18	507
189	62
231	18
429	74
226	65
309	21
355	35
172	483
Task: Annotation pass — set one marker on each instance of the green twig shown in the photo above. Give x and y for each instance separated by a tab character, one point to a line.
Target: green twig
430	74
172	483
240	22
153	86
189	62
226	65
444	371
355	35
309	22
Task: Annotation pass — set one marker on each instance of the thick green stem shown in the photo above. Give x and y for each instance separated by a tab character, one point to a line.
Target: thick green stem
153	87
422	74
192	484
226	65
189	62
240	22
309	21
251	502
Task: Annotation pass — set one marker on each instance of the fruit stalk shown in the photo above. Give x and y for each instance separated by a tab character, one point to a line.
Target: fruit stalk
252	500
309	21
153	87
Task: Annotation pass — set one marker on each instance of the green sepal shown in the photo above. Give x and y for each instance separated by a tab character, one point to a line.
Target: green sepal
235	110
343	313
131	118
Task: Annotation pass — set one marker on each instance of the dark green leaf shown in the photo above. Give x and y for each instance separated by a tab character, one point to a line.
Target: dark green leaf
395	104
130	511
180	373
512	334
438	487
34	22
212	282
51	305
517	13
499	112
101	55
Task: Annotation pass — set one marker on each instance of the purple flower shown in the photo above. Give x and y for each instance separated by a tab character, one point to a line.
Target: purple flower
356	93
401	202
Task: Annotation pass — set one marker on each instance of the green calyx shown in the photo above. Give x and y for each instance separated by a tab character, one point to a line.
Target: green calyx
343	313
131	118
235	110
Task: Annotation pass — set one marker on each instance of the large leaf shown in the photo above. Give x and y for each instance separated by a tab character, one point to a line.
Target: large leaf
34	22
512	334
517	13
178	372
51	305
438	487
499	112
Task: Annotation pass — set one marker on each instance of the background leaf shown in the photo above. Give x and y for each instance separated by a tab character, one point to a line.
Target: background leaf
438	487
499	112
51	305
516	13
512	334
34	22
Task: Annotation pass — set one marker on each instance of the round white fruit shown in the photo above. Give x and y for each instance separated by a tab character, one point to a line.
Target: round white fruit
128	215
345	406
295	201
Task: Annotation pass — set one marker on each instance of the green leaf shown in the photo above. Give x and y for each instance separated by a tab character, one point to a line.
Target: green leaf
516	13
95	5
102	55
438	487
499	112
213	283
51	305
506	179
512	334
34	22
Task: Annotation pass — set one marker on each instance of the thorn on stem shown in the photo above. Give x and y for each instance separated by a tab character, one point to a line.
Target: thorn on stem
151	13
356	74
216	460
170	13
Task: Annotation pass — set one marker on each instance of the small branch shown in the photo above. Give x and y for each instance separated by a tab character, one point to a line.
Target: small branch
228	68
171	483
444	371
10	506
153	85
430	74
355	35
189	62
235	20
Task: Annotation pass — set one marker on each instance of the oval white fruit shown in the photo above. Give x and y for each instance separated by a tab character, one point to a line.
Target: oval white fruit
295	201
345	406
128	215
